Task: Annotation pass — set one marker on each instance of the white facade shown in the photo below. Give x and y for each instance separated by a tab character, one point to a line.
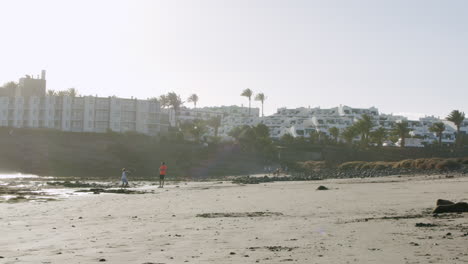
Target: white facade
82	114
302	121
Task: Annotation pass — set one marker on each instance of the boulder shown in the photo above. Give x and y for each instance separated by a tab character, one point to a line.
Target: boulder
451	208
444	202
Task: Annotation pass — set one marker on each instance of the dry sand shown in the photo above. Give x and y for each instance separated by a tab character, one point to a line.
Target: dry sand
300	224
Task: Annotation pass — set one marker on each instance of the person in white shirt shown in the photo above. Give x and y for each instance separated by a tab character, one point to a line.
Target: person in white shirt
124	178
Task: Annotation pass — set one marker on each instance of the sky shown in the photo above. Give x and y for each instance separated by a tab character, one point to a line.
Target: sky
400	56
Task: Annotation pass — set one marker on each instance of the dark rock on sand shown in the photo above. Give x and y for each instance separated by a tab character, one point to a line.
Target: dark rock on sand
322	188
246	214
102	260
444	202
425	225
452	208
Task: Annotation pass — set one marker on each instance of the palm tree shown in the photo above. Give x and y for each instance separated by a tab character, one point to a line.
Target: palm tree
439	129
51	92
247	93
335	133
72	92
349	134
215	123
193	99
457	118
174	101
364	126
261	97
164	101
378	136
402	130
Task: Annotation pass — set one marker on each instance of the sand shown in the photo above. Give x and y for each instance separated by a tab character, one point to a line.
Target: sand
355	221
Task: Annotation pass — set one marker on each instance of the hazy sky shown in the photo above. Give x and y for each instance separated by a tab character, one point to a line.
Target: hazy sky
398	55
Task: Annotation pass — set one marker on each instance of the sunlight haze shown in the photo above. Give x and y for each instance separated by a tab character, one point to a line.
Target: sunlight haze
399	56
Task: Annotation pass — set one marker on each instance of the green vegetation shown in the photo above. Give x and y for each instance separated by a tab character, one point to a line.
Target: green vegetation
261	97
417	164
438	128
457	118
193	99
102	156
247	93
402	130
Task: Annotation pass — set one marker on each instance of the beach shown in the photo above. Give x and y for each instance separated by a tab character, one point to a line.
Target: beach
371	220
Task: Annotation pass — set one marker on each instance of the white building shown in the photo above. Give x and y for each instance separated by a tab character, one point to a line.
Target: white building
82	114
300	122
29	106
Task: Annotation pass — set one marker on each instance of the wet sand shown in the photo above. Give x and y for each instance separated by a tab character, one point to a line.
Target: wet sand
355	221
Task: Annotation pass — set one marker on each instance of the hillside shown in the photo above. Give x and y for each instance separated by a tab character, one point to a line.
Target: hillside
90	155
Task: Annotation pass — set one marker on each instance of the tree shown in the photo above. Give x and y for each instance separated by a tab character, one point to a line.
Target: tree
402	130
363	127
335	133
51	92
260	97
438	128
164	101
174	101
287	139
377	136
261	131
237	131
10	85
457	118
193	99
196	128
349	134
247	93
215	123
72	92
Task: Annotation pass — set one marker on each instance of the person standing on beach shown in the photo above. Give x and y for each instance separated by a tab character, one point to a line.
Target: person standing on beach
124	178
162	174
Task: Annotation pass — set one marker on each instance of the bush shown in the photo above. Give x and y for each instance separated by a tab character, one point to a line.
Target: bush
449	164
406	164
382	165
351	165
312	165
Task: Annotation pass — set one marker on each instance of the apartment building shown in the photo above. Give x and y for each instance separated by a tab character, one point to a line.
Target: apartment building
82	114
300	122
30	107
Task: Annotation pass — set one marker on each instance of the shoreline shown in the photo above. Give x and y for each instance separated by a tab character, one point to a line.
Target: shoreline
371	220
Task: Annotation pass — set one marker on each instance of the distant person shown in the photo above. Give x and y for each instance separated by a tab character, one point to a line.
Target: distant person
162	174
124	178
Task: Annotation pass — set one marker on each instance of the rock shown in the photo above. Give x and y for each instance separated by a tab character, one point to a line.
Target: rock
232	253
322	188
102	260
425	225
452	208
444	202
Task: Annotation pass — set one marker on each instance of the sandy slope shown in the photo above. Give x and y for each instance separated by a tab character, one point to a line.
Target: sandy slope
316	226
